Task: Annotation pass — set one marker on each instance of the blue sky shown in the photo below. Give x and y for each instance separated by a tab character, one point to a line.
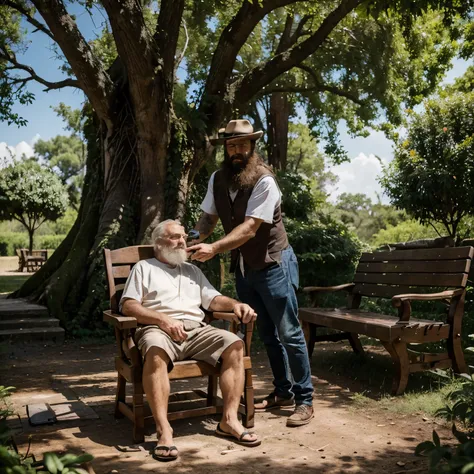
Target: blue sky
360	175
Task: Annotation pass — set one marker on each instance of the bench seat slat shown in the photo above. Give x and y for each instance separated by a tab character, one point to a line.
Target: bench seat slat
454	266
415	279
379	326
452	253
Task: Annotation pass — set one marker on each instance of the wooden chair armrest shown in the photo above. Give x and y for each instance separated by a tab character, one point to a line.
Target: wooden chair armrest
119	321
329	289
448	294
221	315
403	301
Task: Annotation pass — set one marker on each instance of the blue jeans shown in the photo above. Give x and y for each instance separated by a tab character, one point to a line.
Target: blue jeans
271	293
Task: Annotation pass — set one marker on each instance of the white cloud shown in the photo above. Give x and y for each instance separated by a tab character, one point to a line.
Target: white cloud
359	176
9	153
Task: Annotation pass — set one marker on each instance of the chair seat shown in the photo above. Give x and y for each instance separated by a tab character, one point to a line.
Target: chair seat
181	369
380	326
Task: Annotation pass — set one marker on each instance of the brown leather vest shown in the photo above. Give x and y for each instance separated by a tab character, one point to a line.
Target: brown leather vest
263	249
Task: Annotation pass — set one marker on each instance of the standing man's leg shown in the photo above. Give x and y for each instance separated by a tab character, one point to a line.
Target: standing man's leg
282	395
232	386
276	286
156	385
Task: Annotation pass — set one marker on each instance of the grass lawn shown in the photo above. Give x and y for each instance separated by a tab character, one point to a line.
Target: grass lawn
11	283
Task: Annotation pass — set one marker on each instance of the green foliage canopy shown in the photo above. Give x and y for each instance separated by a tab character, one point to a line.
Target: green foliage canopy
432	175
31	194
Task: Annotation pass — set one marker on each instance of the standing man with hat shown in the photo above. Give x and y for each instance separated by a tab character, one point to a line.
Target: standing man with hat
244	194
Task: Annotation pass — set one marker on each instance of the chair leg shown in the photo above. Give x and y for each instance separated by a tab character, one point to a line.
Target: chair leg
138	413
355	343
399	353
212	391
248	419
456	354
309	331
120	395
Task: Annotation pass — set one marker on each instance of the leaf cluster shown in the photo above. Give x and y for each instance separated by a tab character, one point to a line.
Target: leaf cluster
432	175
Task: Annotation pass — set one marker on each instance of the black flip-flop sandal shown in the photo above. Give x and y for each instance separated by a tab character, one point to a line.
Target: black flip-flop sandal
238	440
163	458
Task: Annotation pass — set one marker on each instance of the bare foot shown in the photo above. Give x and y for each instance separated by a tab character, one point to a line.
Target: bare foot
165	443
236	429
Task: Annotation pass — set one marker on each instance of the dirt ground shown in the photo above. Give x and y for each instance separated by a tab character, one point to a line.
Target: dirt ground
339	440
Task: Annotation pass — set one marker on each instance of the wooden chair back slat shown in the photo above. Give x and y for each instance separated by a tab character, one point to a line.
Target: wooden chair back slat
119	264
450	253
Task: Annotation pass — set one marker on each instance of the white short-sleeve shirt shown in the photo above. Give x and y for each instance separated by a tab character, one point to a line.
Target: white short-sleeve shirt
178	292
263	201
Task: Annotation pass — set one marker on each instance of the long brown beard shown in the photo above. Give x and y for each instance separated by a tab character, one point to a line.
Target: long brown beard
244	178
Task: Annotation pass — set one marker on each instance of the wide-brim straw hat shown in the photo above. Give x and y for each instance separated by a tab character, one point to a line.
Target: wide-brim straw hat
236	129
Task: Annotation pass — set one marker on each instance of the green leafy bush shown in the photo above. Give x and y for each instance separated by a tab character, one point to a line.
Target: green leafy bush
49	241
10	241
459	410
327	251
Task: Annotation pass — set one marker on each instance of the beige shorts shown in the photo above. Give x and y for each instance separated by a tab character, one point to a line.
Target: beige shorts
204	342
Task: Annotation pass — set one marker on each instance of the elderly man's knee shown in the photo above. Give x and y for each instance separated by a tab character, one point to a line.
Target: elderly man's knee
234	353
156	358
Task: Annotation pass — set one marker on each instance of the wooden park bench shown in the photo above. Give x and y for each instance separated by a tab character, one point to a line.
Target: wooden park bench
32	261
128	361
403	276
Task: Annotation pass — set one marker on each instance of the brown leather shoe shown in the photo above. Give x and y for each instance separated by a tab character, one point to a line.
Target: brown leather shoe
301	416
272	401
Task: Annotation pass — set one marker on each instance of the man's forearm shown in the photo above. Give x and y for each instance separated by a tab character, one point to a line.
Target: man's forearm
205	225
222	303
239	236
143	315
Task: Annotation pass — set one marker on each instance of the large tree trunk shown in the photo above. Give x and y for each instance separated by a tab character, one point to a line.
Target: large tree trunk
278	118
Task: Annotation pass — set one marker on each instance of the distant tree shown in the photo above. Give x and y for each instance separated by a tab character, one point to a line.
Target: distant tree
403	232
66	156
31	194
432	175
364	217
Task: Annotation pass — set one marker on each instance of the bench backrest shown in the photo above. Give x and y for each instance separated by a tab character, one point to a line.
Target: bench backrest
385	274
118	264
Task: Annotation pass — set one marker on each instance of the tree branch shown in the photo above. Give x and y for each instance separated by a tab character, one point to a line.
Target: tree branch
89	71
167	35
30	19
185	47
133	40
261	75
11	58
230	42
328	88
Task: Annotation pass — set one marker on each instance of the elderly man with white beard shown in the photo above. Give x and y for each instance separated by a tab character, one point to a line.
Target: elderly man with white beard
165	294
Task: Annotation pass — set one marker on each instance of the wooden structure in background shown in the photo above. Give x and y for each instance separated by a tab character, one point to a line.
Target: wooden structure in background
403	276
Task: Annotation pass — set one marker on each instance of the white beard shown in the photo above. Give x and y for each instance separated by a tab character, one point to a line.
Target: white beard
174	256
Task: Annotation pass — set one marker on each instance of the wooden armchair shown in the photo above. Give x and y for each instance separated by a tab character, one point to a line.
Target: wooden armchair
128	361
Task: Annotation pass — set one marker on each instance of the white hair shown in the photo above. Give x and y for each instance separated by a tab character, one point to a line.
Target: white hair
160	229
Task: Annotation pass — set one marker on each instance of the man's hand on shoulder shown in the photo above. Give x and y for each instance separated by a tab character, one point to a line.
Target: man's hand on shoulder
174	328
202	252
244	312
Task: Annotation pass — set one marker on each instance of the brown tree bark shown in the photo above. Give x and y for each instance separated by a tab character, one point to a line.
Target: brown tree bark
277	132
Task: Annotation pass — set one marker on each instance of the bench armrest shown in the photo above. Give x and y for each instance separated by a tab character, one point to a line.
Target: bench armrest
448	294
329	289
402	302
119	321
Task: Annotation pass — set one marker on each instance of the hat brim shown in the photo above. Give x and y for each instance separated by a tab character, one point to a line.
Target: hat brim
250	136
